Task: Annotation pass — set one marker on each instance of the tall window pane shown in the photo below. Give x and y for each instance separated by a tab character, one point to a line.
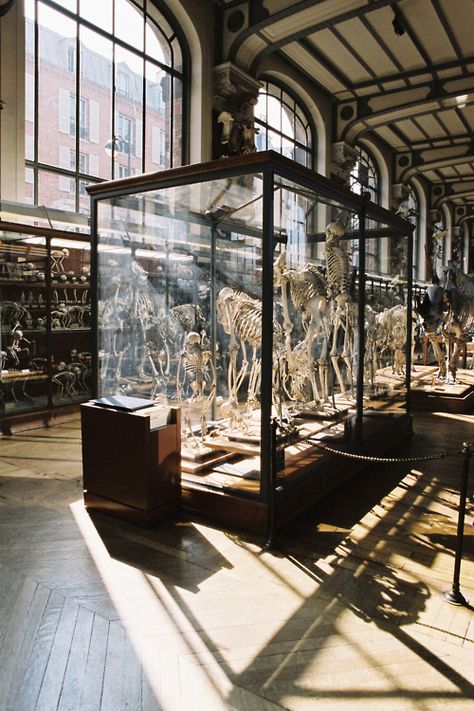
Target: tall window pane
92	84
364	180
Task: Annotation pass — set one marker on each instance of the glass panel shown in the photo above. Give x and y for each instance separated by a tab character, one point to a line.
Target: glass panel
129	23
156	148
175	114
315	302
28	195
56	87
23	315
70	321
128	113
156	45
99	13
96	101
69	4
385	317
274	141
57	191
167	314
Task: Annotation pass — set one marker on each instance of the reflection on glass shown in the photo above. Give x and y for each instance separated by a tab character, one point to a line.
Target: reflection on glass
129	23
99	13
155	47
56	191
70	321
23	314
56	47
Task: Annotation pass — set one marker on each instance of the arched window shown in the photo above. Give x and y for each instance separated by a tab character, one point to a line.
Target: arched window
283	125
364	176
412	213
364	179
105	94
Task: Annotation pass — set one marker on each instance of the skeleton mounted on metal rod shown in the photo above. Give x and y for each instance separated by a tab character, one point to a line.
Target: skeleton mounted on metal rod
447	313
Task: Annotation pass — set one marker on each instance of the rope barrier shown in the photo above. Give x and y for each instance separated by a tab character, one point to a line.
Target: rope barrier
367	458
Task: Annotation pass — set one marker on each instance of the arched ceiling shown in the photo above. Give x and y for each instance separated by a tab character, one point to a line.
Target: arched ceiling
400	70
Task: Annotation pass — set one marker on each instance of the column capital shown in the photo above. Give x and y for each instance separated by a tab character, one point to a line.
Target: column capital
344	158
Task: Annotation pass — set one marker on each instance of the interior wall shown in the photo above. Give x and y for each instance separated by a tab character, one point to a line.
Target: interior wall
12	91
197	22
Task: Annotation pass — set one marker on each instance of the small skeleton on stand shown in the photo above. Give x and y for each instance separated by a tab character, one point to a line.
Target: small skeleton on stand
195	371
57	258
20	350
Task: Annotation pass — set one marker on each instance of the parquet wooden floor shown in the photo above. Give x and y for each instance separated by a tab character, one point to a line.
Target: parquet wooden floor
96	614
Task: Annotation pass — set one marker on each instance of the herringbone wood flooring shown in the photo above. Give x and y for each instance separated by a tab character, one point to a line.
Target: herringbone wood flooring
97	614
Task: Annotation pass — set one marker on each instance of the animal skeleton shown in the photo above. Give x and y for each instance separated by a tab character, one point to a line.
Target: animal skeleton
448	311
338	270
308	296
241	318
196	369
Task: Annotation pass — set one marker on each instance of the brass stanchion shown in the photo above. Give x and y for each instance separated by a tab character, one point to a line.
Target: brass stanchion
455	596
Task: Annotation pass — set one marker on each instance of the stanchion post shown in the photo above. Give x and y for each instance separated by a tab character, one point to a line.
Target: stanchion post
455	596
270	542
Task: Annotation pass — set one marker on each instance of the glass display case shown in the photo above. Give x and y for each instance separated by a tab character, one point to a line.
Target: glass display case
238	291
45	319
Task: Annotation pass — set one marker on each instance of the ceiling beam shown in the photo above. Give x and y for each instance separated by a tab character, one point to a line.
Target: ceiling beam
401	104
306	28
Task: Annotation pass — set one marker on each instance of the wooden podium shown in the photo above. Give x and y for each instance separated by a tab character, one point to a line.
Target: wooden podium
131	469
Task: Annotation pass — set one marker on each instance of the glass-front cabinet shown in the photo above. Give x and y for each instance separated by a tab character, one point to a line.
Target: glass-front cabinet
45	318
270	307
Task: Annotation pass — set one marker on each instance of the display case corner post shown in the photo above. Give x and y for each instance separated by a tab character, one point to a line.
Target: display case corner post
409	325
266	459
94	281
361	328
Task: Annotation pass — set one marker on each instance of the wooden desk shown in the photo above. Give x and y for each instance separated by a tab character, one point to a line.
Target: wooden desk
130	470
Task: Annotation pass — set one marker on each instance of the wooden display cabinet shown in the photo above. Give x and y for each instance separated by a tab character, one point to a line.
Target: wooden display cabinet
131	470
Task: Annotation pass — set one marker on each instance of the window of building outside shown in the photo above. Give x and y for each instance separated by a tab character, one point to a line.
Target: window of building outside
364	180
104	92
283	125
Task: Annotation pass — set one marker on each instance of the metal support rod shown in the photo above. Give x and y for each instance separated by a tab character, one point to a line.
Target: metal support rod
269	543
455	596
361	330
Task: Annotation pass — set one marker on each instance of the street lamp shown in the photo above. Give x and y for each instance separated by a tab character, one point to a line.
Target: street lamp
119	144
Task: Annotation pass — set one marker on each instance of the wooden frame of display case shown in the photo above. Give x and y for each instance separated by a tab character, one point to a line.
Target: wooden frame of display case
280	492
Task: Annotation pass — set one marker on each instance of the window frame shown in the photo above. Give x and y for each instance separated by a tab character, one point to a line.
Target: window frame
296	108
79	129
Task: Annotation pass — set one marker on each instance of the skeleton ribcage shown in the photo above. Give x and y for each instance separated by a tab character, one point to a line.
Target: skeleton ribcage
248	322
185	316
338	268
304	289
463	311
245	315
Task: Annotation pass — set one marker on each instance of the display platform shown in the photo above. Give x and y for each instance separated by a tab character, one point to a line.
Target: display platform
429	393
228	493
